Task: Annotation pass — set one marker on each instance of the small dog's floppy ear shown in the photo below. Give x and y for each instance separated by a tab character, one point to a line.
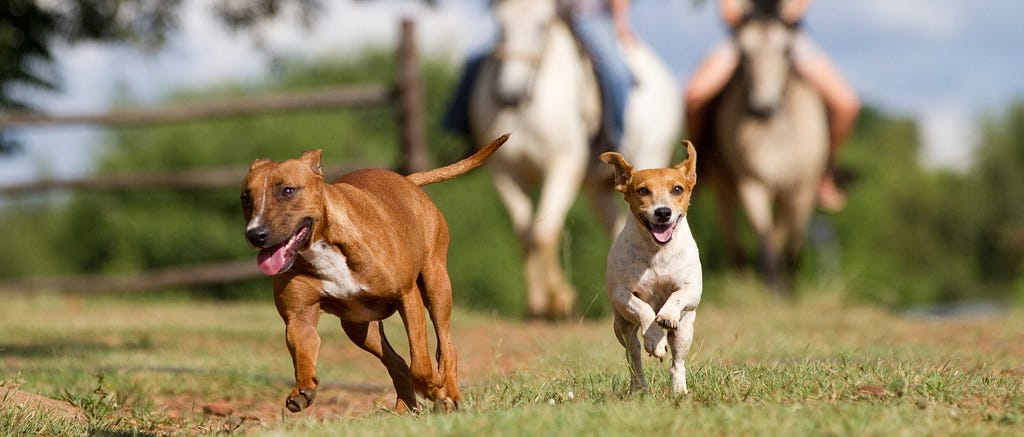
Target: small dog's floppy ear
312	159
690	164
623	171
259	163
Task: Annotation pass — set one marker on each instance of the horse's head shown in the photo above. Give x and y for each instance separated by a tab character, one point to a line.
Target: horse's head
523	28
764	42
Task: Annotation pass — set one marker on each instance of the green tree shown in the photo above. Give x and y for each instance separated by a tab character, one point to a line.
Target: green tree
999	172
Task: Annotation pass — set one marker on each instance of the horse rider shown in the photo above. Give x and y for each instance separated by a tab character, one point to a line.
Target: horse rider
809	61
601	26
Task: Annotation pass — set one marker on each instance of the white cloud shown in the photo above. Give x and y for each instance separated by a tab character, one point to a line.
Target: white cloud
929	19
949	135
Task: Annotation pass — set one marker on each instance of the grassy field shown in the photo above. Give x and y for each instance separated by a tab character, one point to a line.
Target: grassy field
819	366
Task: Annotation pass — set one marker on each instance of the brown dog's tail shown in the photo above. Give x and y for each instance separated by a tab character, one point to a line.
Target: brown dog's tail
458	168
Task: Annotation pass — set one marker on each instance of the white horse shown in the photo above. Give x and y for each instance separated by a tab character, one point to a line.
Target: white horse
771	129
539	85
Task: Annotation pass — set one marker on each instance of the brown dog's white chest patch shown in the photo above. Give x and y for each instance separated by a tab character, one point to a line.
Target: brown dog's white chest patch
332	267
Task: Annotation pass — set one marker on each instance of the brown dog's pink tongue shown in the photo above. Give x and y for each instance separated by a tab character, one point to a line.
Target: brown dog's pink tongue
272	259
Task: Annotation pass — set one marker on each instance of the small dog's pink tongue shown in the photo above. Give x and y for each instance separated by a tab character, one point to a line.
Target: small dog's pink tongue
272	259
663	233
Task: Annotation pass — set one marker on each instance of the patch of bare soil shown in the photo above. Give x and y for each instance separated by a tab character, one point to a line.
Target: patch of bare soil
59	410
187	412
505	347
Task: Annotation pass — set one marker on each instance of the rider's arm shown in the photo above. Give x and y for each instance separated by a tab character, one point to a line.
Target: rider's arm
620	15
793	10
732	12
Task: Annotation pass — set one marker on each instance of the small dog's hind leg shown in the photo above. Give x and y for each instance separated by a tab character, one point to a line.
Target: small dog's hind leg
680	340
626	333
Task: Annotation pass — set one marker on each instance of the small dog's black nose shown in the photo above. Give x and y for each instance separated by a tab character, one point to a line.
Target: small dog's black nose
663	214
258	236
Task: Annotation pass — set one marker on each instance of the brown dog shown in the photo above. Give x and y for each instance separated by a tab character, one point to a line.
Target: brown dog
368	245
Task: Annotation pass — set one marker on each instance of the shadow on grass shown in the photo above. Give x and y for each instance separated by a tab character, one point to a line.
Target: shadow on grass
62	348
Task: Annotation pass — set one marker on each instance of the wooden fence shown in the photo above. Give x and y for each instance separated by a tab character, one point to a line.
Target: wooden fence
406	95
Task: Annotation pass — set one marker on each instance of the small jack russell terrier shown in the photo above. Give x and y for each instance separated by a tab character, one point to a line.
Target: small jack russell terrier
654	276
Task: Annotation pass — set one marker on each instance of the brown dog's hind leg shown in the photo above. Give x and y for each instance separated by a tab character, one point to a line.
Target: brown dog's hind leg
437	296
424	379
370	337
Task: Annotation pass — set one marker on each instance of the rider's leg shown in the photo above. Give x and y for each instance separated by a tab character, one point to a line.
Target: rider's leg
456	116
707	81
597	32
843	107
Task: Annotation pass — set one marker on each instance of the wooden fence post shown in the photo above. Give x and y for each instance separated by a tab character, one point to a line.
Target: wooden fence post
410	102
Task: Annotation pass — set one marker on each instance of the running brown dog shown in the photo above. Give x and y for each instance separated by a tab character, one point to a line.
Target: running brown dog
368	245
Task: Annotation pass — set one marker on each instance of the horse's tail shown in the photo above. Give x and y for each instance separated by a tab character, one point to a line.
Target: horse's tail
458	168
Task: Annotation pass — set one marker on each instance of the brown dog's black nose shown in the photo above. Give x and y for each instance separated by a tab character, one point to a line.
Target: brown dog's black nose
663	214
258	236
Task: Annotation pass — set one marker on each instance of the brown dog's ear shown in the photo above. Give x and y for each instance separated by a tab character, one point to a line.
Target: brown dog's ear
312	159
689	165
259	163
623	171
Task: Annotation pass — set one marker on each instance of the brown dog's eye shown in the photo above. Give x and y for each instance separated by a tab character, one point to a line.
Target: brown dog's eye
246	200
287	192
643	191
677	190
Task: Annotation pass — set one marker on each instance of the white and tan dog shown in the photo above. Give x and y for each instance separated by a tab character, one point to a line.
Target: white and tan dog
654	276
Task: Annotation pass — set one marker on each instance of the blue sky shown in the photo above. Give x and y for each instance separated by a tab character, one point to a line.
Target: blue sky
944	62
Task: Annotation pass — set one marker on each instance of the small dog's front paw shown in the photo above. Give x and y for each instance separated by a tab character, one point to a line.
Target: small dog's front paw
667	321
655	342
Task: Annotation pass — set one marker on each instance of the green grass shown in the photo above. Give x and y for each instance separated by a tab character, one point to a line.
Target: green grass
148	366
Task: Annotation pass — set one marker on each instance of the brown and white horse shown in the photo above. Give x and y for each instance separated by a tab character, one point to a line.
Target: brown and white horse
771	130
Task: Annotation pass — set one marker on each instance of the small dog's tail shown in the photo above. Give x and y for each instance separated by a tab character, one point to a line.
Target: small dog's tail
458	168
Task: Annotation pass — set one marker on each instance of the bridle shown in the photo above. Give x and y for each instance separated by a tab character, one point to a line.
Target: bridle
744	56
533	59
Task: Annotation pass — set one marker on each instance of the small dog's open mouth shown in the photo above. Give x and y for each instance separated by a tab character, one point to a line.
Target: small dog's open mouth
280	257
662	232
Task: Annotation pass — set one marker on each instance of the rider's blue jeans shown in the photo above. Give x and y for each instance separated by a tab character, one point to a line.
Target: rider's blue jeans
597	31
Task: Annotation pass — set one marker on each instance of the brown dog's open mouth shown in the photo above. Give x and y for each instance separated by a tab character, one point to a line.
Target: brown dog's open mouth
280	257
662	232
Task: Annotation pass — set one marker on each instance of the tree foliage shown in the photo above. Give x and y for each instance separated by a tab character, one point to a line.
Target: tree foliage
29	29
999	190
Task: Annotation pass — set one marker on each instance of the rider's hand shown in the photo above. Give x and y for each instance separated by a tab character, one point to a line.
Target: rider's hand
624	32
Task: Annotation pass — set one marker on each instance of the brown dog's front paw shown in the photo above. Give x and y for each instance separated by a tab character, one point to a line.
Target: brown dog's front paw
447	405
300	399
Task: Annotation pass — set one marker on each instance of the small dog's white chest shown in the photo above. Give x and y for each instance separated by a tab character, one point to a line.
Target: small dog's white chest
332	267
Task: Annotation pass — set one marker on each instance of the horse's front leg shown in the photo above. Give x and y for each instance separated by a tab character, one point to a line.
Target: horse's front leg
558	192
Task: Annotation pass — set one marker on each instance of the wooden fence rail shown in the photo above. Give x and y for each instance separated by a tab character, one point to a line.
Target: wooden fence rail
328	98
197	179
405	95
